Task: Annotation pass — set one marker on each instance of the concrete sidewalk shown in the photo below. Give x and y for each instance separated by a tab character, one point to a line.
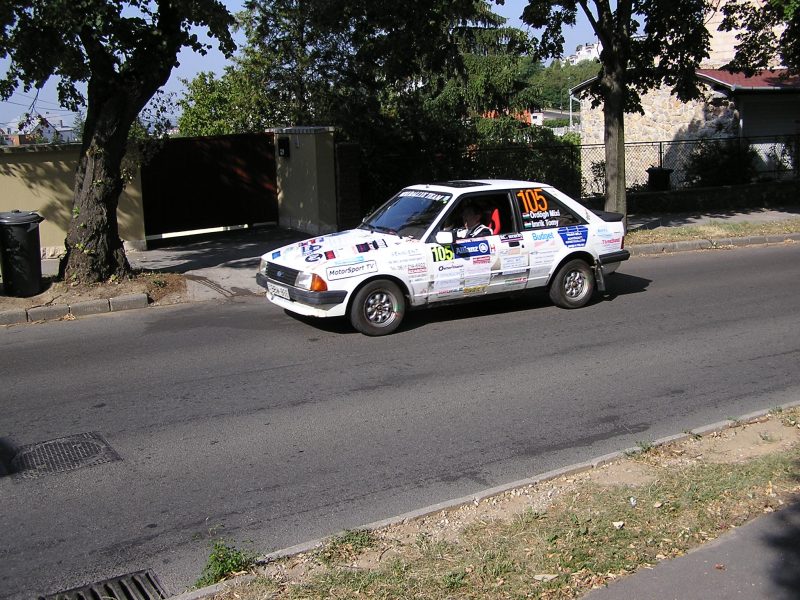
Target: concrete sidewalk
757	561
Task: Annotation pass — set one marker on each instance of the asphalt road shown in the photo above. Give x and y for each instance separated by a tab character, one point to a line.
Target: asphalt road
236	421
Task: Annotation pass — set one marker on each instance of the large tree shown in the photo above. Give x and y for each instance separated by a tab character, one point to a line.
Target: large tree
123	52
766	31
646	43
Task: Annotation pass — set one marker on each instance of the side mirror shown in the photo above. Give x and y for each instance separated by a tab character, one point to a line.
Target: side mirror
444	237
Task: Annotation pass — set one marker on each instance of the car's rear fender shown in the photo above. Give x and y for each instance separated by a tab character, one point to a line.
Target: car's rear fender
582	255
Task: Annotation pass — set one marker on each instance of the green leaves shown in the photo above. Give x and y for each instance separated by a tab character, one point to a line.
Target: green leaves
767	33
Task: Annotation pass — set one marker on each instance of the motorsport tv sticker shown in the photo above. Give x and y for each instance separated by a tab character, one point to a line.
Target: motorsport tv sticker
354	270
575	236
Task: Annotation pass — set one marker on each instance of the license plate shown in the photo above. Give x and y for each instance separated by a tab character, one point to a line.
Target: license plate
278	290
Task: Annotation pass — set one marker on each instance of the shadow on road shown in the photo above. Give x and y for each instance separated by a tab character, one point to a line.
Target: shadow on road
7	452
619	284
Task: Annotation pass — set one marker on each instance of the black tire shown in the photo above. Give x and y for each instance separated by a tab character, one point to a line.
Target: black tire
573	285
378	308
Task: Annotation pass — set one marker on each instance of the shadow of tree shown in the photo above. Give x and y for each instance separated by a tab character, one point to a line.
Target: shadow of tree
785	573
240	249
655	221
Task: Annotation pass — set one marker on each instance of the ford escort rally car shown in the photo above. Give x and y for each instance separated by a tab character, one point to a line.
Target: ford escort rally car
416	251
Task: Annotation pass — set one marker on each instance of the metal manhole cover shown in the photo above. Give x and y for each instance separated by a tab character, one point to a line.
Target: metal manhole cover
62	454
142	585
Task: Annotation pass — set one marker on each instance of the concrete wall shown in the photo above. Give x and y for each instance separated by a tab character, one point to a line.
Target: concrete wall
307	179
41	179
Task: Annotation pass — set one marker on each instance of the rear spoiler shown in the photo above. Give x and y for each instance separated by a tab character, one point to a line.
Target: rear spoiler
609	217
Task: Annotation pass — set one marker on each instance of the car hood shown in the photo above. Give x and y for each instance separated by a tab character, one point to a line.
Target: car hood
345	247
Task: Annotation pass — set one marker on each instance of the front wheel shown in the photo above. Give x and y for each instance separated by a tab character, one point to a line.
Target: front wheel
573	285
378	308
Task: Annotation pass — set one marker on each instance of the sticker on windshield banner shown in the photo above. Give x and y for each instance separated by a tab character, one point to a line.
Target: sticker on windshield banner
574	236
354	270
425	195
471	248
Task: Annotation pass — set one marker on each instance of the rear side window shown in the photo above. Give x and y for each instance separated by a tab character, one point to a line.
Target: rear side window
540	210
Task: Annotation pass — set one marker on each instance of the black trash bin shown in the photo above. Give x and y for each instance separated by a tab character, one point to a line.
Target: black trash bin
20	254
658	179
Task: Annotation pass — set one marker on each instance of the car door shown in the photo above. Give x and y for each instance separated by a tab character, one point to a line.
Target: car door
549	230
474	266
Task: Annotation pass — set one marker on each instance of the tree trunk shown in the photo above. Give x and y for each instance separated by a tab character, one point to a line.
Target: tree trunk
94	248
614	122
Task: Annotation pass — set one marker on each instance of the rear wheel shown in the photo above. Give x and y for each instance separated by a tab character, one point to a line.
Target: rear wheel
573	285
378	308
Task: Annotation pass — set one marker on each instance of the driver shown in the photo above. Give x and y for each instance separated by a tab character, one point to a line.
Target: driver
472	223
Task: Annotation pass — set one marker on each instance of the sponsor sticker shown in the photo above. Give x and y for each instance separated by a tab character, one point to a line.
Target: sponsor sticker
471	248
353	270
373	245
511	237
574	236
349	261
544	236
276	254
309	248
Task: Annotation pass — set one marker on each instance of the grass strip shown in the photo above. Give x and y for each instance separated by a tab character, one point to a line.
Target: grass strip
572	534
712	230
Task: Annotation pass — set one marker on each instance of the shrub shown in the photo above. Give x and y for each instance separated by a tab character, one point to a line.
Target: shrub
720	162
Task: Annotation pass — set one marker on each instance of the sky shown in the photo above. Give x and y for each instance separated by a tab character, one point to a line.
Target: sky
191	64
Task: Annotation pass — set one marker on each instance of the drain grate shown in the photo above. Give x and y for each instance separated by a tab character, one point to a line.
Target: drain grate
142	585
61	455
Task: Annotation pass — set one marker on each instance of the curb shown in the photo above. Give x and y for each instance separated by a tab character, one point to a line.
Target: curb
475	498
713	244
55	312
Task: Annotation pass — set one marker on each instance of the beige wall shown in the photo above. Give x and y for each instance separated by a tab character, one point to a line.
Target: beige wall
307	180
41	179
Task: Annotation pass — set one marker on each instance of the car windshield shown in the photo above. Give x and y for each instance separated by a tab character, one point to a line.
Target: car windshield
408	214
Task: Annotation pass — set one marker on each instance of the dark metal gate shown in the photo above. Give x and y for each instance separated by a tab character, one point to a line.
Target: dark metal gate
203	183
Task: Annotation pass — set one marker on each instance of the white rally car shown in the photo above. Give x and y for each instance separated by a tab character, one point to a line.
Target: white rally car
415	251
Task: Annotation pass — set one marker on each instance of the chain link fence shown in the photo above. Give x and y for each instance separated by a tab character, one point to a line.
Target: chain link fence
580	170
694	163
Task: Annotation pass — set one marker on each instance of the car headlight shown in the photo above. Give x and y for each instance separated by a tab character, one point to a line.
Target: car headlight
310	281
262	267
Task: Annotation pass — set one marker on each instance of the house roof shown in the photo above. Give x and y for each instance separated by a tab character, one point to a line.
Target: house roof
768	80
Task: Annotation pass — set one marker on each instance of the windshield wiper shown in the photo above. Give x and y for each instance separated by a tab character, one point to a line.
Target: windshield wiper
381	228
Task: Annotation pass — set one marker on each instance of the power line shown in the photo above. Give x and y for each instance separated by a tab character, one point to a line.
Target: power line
36	99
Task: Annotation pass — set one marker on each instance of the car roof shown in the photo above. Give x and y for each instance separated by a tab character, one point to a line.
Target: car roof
486	185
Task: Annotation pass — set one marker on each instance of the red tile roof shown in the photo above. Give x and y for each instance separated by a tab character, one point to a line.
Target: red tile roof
775	79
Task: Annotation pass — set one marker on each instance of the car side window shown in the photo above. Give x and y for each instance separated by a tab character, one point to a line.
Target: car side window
494	211
540	210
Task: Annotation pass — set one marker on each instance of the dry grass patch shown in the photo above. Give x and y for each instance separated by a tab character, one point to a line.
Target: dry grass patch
560	538
713	230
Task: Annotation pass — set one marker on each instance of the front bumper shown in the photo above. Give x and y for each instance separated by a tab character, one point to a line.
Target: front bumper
306	302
